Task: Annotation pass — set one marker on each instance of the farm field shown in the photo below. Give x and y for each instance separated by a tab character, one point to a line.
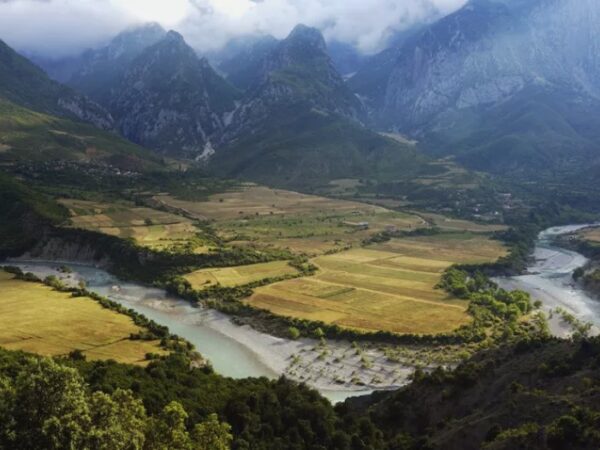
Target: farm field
450	224
37	319
389	286
302	223
591	234
148	227
239	275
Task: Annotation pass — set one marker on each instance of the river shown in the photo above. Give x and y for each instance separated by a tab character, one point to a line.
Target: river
240	351
549	279
233	351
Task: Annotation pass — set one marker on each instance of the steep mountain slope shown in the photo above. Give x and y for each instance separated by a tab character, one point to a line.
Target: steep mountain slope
535	395
243	58
461	84
345	57
171	101
299	126
297	72
100	70
23	83
372	77
28	136
304	148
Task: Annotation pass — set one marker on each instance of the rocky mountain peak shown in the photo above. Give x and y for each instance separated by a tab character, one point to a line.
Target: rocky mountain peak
135	39
174	37
101	69
171	100
303	35
486	82
174	42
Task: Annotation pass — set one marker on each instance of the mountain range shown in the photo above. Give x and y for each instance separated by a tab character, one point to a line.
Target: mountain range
505	86
281	112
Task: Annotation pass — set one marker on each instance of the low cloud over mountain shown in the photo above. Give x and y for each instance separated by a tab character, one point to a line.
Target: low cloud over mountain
207	24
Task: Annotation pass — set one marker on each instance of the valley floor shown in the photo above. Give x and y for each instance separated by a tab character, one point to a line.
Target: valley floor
35	318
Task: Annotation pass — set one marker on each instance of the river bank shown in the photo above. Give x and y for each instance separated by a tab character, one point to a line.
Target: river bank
549	279
338	369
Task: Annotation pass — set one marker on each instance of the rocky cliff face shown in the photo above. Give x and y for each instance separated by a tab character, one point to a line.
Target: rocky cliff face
98	71
242	59
507	85
491	50
172	101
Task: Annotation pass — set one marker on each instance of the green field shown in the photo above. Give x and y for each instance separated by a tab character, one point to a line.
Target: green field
389	286
301	223
37	319
239	275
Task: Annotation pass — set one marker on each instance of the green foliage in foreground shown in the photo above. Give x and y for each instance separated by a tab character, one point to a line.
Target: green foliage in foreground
46	405
537	394
263	414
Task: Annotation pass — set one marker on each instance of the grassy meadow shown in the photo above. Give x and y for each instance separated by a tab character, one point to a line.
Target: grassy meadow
389	286
37	319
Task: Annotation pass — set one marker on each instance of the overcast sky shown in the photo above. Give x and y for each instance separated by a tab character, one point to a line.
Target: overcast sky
65	27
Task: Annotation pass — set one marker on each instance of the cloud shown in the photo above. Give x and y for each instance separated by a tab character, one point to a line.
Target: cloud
364	23
64	27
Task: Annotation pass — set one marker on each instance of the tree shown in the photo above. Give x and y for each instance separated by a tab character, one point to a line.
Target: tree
212	434
294	333
168	430
49	407
118	421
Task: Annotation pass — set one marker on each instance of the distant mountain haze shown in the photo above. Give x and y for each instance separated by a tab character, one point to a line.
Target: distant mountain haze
507	85
23	83
298	71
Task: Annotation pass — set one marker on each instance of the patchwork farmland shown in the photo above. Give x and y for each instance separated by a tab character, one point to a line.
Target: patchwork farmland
148	227
308	224
389	286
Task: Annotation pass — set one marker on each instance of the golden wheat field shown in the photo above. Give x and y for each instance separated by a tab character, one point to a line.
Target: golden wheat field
390	286
591	234
37	319
239	275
